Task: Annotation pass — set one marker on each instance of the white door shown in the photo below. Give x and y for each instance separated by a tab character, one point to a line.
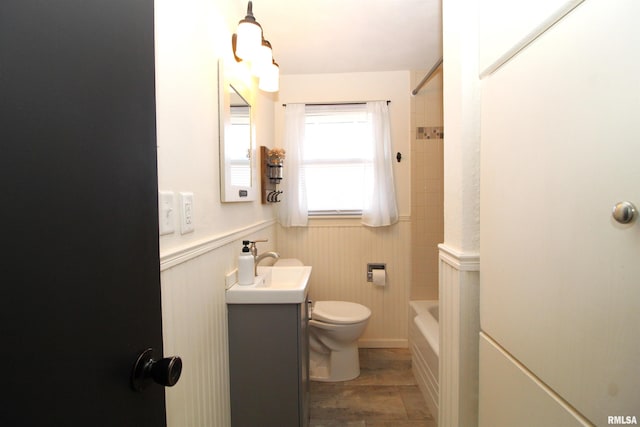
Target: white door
560	279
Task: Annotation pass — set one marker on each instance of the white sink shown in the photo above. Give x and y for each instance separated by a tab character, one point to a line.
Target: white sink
273	285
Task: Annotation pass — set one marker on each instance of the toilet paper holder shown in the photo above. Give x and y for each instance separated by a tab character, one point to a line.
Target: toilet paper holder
374	266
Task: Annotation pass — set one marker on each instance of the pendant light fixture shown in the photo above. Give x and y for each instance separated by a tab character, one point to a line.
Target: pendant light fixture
270	79
248	37
249	45
262	59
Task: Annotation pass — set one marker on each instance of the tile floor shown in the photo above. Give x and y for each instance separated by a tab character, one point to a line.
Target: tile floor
384	395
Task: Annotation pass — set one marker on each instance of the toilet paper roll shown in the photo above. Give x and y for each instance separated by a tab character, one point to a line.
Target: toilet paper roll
379	277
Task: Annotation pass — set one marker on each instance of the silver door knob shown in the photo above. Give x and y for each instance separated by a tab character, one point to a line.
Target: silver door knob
624	212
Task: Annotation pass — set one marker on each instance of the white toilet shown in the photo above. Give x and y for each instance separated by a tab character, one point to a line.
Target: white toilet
334	329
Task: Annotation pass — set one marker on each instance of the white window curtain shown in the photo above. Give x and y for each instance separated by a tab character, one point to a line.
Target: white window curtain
380	207
379	199
292	211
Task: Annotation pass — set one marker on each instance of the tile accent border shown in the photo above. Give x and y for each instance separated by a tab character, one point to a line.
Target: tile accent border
434	132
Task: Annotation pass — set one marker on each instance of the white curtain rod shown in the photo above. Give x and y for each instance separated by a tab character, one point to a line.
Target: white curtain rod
427	77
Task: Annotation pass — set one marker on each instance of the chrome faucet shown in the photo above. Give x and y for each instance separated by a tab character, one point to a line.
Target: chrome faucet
257	258
262	256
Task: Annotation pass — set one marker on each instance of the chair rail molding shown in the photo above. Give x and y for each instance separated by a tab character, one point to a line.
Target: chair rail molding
459	260
193	250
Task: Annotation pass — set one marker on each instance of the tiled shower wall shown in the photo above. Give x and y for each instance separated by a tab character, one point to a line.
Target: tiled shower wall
427	200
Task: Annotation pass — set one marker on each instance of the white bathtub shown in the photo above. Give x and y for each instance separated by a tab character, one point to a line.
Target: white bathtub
424	344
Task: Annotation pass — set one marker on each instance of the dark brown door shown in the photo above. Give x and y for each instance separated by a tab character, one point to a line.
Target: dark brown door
79	268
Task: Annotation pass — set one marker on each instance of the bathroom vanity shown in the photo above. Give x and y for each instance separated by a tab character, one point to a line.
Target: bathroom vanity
269	364
269	353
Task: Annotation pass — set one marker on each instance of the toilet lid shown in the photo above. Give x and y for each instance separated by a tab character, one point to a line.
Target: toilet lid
339	312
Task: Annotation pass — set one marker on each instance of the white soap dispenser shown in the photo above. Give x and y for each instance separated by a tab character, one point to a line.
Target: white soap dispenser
245	265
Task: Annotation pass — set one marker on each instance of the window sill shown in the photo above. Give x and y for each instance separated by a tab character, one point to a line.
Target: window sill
343	221
335	221
335	214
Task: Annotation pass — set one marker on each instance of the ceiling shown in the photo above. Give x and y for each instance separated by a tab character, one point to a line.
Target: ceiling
340	36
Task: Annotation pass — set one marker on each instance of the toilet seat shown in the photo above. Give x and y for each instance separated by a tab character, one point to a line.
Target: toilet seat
340	312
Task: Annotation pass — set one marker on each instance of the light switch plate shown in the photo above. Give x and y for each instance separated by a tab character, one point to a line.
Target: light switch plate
166	212
186	213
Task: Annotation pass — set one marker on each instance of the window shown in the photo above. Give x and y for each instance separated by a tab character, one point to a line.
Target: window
337	157
339	162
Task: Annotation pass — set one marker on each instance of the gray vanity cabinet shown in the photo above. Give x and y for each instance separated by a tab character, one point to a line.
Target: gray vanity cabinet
269	364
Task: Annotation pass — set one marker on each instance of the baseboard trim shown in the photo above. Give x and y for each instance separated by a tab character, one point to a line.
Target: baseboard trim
384	343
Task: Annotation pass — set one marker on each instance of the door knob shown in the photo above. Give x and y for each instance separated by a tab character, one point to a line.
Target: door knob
164	371
624	212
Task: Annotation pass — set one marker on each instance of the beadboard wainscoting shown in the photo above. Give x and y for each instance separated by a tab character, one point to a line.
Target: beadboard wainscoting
459	328
339	250
194	320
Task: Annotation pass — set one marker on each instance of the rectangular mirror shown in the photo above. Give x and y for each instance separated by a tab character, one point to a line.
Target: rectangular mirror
238	177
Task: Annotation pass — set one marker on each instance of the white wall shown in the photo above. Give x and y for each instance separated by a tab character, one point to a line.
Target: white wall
459	254
462	125
191	36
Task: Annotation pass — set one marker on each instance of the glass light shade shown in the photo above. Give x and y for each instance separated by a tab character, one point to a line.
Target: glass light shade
270	78
262	59
249	39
